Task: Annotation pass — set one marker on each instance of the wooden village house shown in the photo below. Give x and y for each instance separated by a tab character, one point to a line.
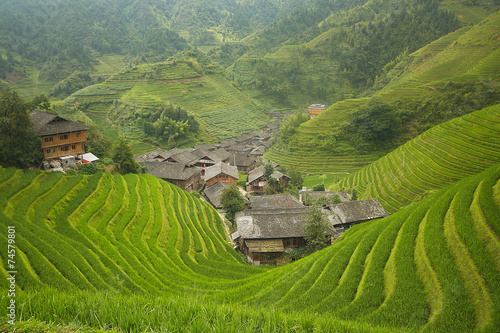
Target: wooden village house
346	214
213	193
243	162
272	225
315	109
60	137
201	156
265	235
221	172
256	181
181	175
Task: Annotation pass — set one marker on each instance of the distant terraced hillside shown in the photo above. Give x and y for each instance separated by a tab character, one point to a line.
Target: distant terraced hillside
441	156
159	259
222	110
470	54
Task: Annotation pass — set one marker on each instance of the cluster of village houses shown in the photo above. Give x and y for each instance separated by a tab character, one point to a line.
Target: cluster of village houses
270	225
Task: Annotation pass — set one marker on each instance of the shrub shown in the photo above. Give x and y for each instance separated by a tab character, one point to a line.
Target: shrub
319	187
87	169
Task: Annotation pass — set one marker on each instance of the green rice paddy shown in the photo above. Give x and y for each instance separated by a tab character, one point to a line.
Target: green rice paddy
159	259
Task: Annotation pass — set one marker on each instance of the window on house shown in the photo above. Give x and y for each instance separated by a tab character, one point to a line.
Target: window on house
49	139
73	146
64	148
77	135
63	137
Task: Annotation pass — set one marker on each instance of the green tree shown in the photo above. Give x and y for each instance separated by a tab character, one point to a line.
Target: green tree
268	171
296	178
87	169
335	199
315	229
319	187
354	195
19	144
232	201
39	102
322	200
97	143
124	159
293	191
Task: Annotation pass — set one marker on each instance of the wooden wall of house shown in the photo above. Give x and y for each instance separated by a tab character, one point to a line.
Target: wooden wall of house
63	144
63	139
223	178
70	149
189	185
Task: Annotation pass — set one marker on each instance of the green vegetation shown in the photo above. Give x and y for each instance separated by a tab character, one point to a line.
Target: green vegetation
124	159
329	179
315	228
159	257
448	78
231	201
440	156
127	105
19	143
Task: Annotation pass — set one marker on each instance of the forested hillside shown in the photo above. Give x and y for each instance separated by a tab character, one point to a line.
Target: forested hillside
46	41
447	78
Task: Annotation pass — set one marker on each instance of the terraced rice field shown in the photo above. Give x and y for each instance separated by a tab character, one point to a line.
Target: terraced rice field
468	54
158	259
222	110
439	157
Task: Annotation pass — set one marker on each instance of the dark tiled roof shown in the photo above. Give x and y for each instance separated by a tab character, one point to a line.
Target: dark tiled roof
239	148
46	123
226	143
244	137
354	211
170	171
219	155
275	201
274	223
213	193
244	160
259	151
205	146
259	172
217	169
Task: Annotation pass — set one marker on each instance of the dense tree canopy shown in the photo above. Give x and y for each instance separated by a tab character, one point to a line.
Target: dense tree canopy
19	144
315	229
232	201
124	159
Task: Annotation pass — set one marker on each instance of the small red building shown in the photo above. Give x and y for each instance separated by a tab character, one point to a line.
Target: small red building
316	109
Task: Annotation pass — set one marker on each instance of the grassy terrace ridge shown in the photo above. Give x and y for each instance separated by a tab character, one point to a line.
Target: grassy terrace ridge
442	155
470	54
222	110
159	259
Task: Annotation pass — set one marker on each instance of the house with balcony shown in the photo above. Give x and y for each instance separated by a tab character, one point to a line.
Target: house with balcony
59	137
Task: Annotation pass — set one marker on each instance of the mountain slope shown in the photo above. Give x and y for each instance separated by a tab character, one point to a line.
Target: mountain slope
118	105
440	156
419	91
161	253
